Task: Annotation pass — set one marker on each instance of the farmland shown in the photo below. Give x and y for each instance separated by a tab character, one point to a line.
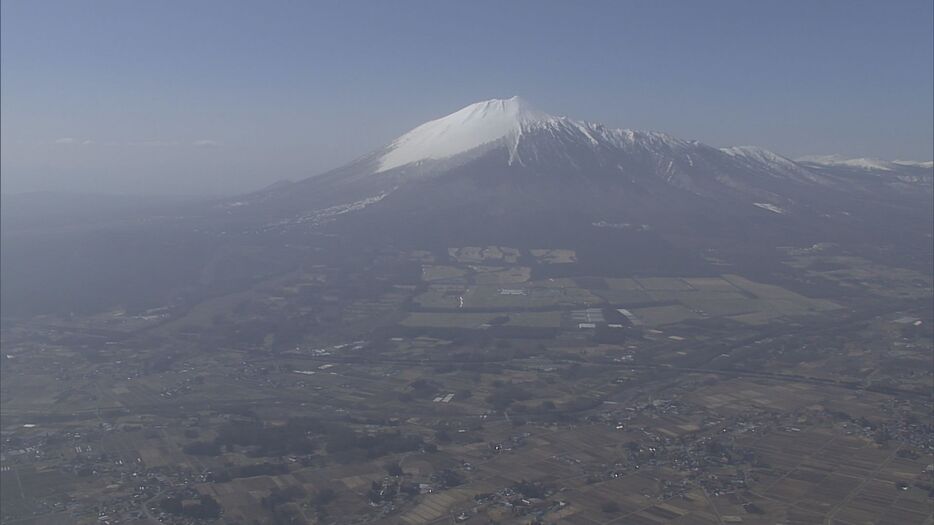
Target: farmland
470	384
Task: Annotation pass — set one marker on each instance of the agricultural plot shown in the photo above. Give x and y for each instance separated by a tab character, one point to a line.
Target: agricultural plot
860	273
529	407
716	304
556	256
662	315
654	301
761	290
859	477
510	296
623	284
481	320
442	273
370	309
421	256
527	297
23	487
730	296
480	254
664	284
441	296
623	297
710	284
501	275
476	273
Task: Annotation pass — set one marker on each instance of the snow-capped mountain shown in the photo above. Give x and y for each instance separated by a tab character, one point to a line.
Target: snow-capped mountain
503	161
528	139
531	138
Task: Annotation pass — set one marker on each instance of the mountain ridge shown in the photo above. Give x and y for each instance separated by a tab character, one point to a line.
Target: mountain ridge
483	124
504	158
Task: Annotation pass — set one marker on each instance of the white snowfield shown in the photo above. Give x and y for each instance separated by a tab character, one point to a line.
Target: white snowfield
863	162
757	154
461	131
926	164
505	121
771	207
765	161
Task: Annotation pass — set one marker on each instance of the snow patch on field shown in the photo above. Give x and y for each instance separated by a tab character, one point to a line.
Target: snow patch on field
325	215
771	207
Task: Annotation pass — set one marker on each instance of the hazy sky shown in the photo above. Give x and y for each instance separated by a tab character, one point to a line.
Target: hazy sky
222	97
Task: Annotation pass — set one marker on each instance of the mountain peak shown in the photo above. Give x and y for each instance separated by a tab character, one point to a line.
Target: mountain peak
516	108
473	126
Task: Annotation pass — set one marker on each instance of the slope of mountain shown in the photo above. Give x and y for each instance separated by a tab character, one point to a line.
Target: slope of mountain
502	162
909	175
862	162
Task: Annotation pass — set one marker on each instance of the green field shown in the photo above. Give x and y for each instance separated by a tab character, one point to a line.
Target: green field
476	320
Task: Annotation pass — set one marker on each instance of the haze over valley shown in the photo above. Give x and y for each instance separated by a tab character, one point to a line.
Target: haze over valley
501	315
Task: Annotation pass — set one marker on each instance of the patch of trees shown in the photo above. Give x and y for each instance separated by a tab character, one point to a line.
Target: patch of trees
279	496
505	394
373	445
580	404
323	497
320	501
394	469
577	371
302	436
295	437
531	489
286	331
279	503
607	335
161	363
259	469
424	388
449	478
203	448
379	492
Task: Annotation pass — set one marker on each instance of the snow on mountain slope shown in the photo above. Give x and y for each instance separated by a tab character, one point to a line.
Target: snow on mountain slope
914	163
545	143
866	163
471	127
533	138
762	160
757	154
512	123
